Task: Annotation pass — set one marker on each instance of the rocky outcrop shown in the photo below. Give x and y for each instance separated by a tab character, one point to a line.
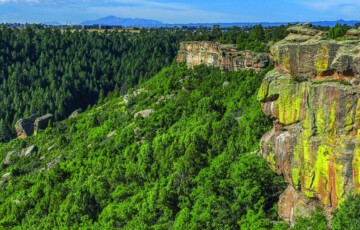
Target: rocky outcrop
28	126
25	127
313	97
42	122
226	57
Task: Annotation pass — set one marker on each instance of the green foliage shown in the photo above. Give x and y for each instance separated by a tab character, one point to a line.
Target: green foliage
316	221
338	31
348	215
255	38
54	71
192	164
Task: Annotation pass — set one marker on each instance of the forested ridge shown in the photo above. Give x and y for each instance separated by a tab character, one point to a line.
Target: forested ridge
57	71
191	164
180	150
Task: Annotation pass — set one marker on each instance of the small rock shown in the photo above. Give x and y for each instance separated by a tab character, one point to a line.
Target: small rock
42	158
6	177
28	151
144	113
137	130
226	83
16	201
74	114
51	148
52	164
113	133
7	160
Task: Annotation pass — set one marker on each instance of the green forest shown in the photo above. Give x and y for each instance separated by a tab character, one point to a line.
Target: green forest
156	146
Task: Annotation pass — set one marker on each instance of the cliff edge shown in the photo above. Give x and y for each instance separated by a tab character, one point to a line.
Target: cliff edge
226	57
312	96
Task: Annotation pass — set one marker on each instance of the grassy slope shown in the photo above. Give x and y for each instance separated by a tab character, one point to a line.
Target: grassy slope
185	166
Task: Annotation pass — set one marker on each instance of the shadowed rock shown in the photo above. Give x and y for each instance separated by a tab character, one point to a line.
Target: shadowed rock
25	127
42	122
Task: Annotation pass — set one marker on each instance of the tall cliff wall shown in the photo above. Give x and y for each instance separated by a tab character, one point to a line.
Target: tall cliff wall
226	57
313	97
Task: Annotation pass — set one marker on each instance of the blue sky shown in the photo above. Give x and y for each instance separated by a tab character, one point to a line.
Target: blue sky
179	11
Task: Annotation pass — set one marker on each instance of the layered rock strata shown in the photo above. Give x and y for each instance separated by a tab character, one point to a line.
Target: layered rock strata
313	97
226	57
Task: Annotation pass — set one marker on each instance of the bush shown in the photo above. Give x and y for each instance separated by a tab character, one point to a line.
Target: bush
348	215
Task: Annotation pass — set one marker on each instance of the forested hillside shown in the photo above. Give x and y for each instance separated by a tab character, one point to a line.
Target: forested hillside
178	152
57	71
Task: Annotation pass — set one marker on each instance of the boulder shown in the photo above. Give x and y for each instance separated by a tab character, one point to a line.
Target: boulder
25	127
6	177
144	113
7	160
26	152
42	122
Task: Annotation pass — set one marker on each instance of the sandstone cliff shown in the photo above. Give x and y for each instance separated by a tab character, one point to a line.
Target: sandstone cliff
313	97
226	57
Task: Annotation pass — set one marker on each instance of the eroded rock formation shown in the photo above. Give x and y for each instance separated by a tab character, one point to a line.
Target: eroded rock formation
226	57
27	126
313	97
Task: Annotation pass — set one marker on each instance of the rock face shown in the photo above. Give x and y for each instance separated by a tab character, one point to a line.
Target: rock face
313	97
226	57
25	127
42	122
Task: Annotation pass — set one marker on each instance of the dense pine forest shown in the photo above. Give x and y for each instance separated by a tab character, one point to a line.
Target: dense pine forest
57	71
156	146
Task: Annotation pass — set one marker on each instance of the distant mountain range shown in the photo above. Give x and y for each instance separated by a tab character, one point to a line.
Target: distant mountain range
115	21
141	22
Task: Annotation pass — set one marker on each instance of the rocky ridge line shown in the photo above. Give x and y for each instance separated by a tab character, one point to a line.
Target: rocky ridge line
226	57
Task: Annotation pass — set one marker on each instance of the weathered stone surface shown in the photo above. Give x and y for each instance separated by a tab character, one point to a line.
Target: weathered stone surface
42	122
25	127
226	57
294	204
313	97
26	152
144	113
7	160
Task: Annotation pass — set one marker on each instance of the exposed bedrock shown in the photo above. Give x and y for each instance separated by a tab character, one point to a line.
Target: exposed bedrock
312	96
